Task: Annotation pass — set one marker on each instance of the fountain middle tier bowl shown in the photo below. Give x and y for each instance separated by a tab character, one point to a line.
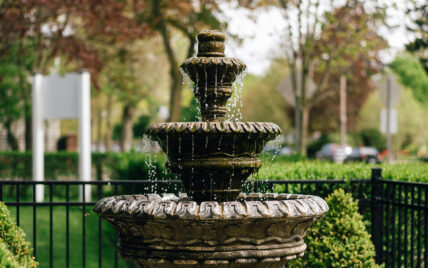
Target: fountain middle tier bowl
213	159
254	231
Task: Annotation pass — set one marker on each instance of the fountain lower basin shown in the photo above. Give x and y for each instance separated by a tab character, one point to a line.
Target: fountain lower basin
169	231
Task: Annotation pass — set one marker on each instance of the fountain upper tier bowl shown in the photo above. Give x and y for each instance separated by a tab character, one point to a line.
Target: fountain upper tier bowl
213	159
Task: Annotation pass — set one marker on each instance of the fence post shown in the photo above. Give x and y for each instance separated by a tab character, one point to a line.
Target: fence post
377	213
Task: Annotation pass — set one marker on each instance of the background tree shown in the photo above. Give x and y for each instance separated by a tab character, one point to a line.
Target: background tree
321	44
420	28
188	17
412	75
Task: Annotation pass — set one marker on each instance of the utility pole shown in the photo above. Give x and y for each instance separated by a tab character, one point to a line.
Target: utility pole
343	118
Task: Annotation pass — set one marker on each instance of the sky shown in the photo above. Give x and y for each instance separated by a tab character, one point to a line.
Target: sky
261	35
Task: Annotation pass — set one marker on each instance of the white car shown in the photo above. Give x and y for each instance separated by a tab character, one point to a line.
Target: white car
334	152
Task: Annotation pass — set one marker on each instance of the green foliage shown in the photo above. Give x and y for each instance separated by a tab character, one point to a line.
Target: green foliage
191	113
13	82
340	238
373	137
12	238
140	126
132	166
313	170
7	260
117	132
316	145
17	165
413	76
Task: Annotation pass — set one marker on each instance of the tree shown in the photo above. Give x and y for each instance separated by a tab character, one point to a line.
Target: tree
420	28
321	45
46	30
412	75
11	92
188	17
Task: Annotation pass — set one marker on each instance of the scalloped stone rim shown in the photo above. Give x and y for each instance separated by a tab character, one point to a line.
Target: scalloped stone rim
215	61
214	127
246	207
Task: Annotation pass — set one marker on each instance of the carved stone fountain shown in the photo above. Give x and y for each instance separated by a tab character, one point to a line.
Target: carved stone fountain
214	225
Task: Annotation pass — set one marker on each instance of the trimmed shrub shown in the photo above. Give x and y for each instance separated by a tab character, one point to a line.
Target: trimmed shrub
339	239
7	259
12	241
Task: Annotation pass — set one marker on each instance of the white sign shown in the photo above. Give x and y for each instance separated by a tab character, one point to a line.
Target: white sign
56	97
60	96
392	121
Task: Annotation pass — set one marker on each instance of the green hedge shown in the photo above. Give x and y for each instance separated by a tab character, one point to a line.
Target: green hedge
18	165
12	242
339	239
311	170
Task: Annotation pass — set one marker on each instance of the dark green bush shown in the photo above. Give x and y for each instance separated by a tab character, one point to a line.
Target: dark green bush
13	239
373	137
316	145
339	239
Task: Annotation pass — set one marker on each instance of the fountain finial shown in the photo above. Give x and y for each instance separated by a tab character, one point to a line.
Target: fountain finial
211	44
213	75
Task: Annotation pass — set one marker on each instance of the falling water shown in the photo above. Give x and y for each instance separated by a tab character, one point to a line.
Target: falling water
193	88
235	104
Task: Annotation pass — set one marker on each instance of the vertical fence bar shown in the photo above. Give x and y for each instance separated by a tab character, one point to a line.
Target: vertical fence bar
17	204
115	237
34	221
406	224
412	229
100	231
50	226
392	222
420	233
426	227
400	217
84	225
388	225
67	225
377	213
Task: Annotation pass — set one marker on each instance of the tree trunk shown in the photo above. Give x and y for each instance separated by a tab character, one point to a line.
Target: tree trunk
109	123
11	139
28	127
127	120
297	124
175	76
305	125
99	128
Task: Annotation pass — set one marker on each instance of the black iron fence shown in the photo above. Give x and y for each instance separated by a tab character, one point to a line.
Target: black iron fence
65	232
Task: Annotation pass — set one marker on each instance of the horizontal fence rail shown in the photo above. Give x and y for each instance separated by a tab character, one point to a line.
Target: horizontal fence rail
65	232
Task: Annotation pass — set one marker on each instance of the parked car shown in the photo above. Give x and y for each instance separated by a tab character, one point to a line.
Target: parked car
364	154
334	152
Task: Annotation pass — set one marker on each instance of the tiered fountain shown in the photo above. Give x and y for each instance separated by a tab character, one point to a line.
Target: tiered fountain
214	225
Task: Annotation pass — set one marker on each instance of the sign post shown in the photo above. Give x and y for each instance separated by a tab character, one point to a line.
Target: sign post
38	134
389	95
56	97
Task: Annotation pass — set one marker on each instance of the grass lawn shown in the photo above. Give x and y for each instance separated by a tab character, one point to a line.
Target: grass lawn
75	238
